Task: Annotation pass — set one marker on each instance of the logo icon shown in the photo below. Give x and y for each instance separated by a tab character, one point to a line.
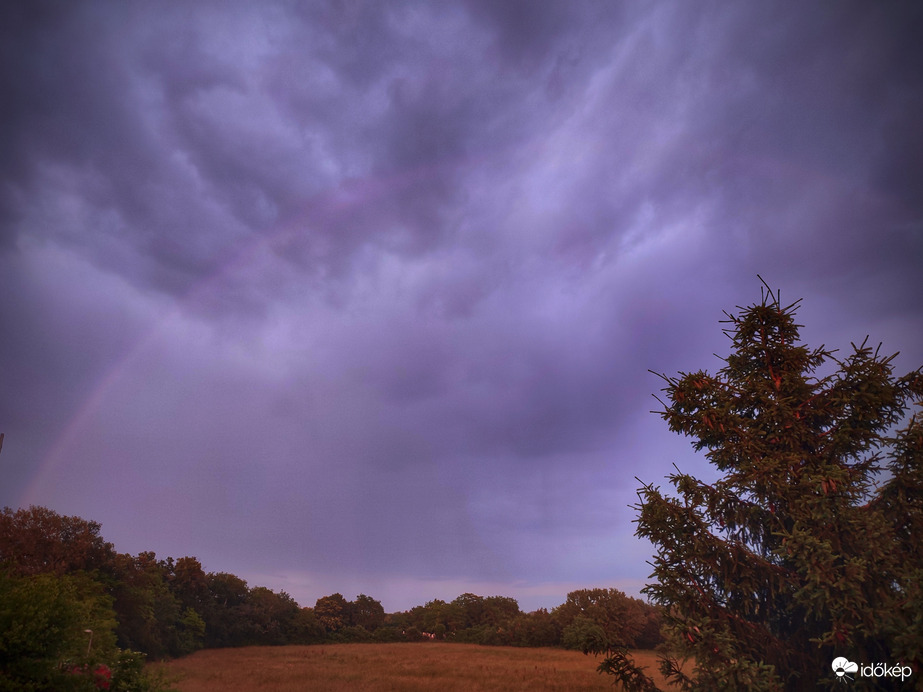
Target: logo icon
843	667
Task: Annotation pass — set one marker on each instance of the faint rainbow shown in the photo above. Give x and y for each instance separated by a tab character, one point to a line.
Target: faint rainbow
349	194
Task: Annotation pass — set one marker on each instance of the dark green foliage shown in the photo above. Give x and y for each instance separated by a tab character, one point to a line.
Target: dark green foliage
342	620
600	620
188	583
305	628
537	628
77	582
269	614
39	626
226	611
386	634
477	619
584	634
467	611
333	612
149	613
367	613
352	634
130	675
56	633
498	621
142	606
412	634
807	547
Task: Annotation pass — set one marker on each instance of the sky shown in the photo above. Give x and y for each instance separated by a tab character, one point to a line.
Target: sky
362	297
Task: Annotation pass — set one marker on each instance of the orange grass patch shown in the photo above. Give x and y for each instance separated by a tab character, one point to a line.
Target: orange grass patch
396	667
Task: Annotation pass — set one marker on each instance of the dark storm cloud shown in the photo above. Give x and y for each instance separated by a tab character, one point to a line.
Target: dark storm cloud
85	131
370	291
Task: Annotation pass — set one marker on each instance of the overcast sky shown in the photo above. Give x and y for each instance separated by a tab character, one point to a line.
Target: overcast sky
362	297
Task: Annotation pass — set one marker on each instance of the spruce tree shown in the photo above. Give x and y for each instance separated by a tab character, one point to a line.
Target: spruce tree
809	546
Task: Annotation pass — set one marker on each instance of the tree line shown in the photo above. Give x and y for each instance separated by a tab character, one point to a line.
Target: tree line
70	602
587	618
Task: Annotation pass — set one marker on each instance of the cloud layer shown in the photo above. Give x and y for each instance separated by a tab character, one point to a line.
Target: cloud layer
363	296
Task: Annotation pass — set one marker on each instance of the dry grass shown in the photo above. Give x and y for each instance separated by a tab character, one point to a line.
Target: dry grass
390	667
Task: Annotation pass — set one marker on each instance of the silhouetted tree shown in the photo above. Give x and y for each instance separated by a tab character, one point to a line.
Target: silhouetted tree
805	548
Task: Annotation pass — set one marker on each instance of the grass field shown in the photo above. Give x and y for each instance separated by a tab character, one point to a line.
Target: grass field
390	667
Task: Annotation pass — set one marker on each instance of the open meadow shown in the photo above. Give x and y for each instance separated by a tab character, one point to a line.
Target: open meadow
389	667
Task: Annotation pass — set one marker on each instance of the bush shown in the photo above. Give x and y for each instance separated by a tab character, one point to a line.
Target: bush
40	626
56	633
